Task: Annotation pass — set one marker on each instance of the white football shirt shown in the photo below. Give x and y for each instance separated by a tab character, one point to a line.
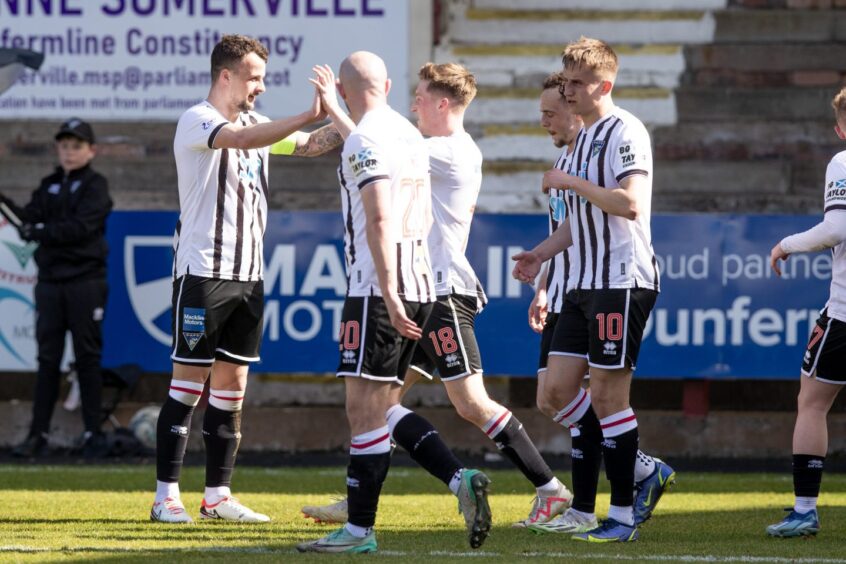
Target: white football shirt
835	202
610	251
222	199
455	164
386	146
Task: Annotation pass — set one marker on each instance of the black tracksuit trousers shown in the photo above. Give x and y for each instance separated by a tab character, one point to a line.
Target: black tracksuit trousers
78	307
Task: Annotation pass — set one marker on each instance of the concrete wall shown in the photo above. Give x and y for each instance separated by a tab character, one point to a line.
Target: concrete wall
668	434
290	413
737	98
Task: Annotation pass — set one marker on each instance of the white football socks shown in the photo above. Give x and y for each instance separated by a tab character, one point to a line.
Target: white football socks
624	515
549	488
356	531
455	482
644	466
165	490
805	504
213	495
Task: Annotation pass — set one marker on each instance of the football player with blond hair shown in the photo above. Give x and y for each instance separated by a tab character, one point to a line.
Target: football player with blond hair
823	374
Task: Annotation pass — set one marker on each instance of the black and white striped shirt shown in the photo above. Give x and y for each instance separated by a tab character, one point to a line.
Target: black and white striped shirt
557	276
611	251
385	146
222	200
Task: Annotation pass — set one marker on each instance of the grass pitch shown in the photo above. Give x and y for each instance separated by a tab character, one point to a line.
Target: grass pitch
100	514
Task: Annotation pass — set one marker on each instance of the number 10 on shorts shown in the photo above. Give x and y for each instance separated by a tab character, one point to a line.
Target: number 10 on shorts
610	326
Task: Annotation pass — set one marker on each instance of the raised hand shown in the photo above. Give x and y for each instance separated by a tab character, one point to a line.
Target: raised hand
317	111
324	83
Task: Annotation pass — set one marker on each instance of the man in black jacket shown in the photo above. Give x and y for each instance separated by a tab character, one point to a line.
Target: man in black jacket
67	217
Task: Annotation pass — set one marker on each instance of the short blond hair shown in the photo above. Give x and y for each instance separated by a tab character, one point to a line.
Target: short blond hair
839	104
593	54
451	80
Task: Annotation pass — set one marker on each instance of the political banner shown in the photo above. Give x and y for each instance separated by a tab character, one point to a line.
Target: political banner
131	60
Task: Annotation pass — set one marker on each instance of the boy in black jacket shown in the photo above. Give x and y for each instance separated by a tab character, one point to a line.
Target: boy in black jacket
67	217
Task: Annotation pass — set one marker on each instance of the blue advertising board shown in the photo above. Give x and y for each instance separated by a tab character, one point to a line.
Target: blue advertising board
722	313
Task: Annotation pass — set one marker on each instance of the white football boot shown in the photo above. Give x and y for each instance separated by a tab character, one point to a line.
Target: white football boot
336	512
547	508
230	509
569	522
170	510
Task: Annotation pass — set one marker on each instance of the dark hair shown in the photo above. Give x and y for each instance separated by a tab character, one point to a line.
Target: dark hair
555	80
231	49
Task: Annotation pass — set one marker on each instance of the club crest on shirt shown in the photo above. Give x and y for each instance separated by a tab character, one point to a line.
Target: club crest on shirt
596	147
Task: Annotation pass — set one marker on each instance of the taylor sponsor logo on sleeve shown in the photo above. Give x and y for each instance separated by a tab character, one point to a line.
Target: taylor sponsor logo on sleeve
363	162
836	190
628	156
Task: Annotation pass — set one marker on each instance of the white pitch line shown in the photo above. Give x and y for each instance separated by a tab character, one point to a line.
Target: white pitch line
139	550
686	558
452	554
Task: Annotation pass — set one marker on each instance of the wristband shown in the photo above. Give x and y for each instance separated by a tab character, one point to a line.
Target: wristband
285	146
